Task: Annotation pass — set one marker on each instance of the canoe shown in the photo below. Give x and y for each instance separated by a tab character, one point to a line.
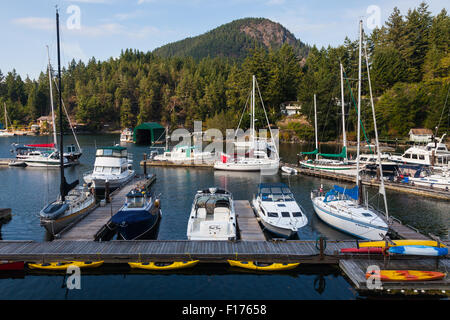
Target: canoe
406	275
382	244
362	250
252	265
419	250
11	266
289	170
64	265
163	265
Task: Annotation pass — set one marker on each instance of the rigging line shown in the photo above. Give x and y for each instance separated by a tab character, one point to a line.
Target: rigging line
442	113
356	108
243	111
267	119
67	115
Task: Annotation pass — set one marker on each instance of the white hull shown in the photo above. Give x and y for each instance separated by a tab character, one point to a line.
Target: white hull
98	182
250	165
344	221
348	169
432	182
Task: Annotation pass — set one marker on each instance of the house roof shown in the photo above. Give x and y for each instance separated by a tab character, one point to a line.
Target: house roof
421	131
46	118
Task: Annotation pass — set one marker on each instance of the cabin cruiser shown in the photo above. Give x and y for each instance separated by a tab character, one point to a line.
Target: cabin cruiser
370	162
424	177
259	161
112	165
38	155
185	154
139	217
279	212
433	154
212	216
59	214
126	135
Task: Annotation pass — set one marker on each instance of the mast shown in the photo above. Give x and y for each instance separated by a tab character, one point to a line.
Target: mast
377	145
61	145
55	141
344	134
6	117
359	106
252	119
315	127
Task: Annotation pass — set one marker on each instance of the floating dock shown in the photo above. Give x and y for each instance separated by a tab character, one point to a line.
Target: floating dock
91	227
247	224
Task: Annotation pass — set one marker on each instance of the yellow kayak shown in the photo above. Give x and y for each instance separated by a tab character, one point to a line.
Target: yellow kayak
406	275
430	243
65	265
162	265
262	266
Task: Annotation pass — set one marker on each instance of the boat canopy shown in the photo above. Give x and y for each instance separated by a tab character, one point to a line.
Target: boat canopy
331	195
343	154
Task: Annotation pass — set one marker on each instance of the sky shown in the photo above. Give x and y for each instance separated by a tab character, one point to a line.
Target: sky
102	28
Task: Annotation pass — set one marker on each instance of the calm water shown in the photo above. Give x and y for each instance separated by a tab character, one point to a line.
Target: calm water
26	190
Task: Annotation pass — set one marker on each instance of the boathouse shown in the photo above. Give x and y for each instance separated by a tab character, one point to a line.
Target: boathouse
420	135
149	133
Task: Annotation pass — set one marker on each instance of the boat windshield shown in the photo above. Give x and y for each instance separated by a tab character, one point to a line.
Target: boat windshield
276	194
135	202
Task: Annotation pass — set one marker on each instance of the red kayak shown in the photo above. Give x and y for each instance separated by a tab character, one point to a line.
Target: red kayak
11	266
363	250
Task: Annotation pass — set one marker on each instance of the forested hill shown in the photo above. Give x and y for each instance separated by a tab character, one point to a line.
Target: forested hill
233	40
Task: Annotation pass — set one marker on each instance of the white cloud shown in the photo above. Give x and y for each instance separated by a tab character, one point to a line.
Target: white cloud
36	23
72	50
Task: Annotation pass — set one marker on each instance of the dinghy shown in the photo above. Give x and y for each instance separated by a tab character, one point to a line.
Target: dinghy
288	170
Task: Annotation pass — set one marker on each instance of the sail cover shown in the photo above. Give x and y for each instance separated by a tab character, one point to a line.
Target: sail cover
312	152
352	193
343	154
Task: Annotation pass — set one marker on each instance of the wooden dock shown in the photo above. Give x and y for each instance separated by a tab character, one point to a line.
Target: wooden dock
91	225
394	186
248	226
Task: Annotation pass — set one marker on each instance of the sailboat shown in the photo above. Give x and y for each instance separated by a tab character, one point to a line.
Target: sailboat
258	159
5	132
340	207
329	164
72	202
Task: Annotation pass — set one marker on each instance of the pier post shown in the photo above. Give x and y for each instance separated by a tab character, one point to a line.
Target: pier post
145	164
107	200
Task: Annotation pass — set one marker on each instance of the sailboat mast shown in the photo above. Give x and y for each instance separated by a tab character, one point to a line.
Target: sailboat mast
55	141
61	145
344	134
252	129
315	127
377	143
359	105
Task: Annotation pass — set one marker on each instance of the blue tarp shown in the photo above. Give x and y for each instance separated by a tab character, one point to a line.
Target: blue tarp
352	193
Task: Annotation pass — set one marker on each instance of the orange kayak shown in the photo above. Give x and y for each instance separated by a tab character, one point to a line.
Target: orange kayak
406	275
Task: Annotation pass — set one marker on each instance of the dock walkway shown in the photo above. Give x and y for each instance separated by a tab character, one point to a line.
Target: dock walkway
247	224
90	225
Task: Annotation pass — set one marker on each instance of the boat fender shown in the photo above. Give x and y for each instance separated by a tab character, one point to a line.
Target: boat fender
157	203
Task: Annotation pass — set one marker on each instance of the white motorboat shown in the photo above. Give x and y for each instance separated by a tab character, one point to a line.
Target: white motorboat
426	178
279	212
259	162
39	155
212	216
72	204
126	135
112	165
185	154
340	207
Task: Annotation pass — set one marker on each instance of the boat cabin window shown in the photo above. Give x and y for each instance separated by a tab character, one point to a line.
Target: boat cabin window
414	156
272	214
407	155
98	169
421	157
366	214
135	202
115	170
296	214
285	215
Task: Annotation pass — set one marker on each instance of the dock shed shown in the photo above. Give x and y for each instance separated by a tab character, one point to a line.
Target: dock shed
149	133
